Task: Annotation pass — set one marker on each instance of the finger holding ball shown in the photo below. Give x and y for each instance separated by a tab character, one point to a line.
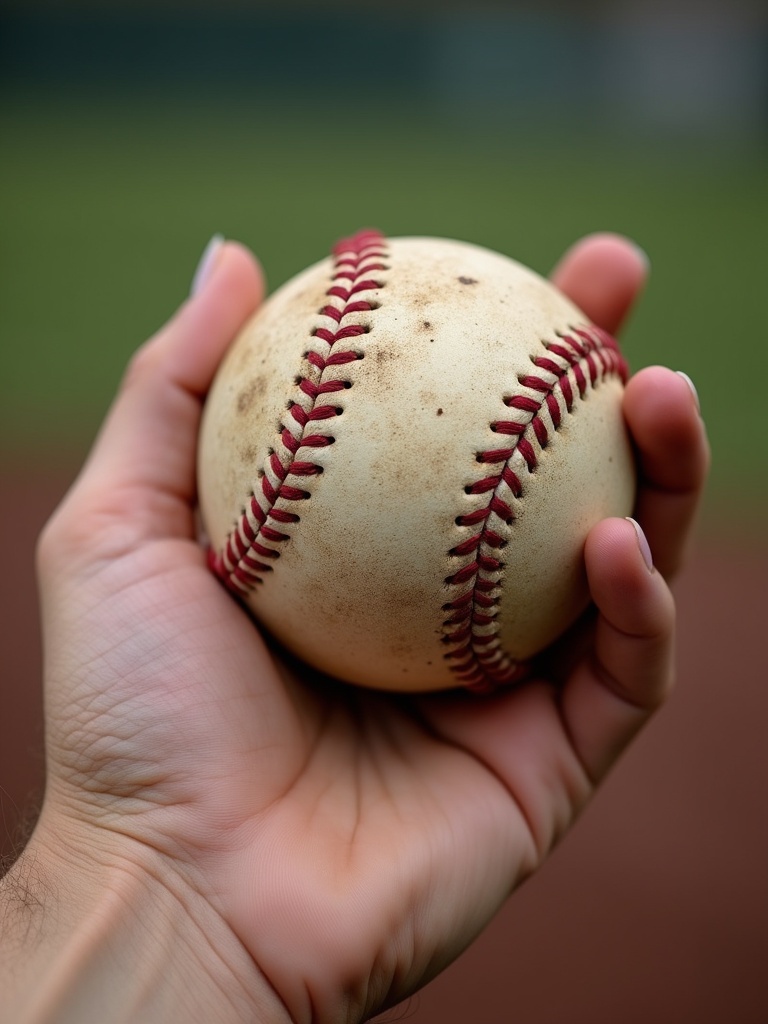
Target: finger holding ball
401	457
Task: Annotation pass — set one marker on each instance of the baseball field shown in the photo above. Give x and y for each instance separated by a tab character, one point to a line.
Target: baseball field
657	908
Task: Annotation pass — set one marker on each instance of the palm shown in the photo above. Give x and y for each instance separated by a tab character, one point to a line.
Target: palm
233	753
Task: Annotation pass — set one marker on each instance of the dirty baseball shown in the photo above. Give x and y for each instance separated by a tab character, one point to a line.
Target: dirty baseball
401	457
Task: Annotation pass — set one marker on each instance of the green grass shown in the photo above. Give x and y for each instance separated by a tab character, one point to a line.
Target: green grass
107	205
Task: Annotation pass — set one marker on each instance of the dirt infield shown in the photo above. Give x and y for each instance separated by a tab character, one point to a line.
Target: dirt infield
655	908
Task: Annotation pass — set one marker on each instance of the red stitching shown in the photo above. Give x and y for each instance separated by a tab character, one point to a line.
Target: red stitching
477	658
241	563
587	353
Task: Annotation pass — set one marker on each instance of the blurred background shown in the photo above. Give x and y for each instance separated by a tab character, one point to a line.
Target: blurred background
131	131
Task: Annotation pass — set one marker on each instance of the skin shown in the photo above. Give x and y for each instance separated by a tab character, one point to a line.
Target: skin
225	836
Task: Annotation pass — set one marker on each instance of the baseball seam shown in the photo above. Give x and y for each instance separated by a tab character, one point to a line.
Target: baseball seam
573	363
568	367
254	542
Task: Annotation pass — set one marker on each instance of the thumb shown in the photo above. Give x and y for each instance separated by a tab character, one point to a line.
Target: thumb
139	480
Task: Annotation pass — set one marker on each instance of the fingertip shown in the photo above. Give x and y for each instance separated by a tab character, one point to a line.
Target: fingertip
692	388
245	263
229	286
662	411
148	441
230	266
613	245
627	590
634	638
206	264
642	543
660	386
630	672
603	274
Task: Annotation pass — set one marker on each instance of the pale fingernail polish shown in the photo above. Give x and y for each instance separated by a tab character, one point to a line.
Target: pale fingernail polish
207	263
692	386
642	543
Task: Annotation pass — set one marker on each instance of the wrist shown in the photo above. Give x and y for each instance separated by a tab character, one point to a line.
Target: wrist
96	927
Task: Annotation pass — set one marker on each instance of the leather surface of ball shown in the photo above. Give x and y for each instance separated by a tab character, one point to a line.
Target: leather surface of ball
401	457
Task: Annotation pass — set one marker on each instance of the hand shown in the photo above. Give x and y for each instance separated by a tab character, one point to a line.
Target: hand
331	849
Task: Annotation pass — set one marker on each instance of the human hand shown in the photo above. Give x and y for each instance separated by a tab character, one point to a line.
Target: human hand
321	850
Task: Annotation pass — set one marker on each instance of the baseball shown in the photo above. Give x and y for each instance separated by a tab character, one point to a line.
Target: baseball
400	459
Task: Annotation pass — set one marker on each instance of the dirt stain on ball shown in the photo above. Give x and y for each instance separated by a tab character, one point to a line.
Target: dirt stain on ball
249	394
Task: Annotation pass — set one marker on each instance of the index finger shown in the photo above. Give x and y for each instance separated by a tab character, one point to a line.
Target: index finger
141	470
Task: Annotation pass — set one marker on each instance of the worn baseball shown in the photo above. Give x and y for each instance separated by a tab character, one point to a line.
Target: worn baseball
401	457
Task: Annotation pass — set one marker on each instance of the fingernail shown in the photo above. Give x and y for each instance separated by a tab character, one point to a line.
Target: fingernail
207	263
692	386
642	543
